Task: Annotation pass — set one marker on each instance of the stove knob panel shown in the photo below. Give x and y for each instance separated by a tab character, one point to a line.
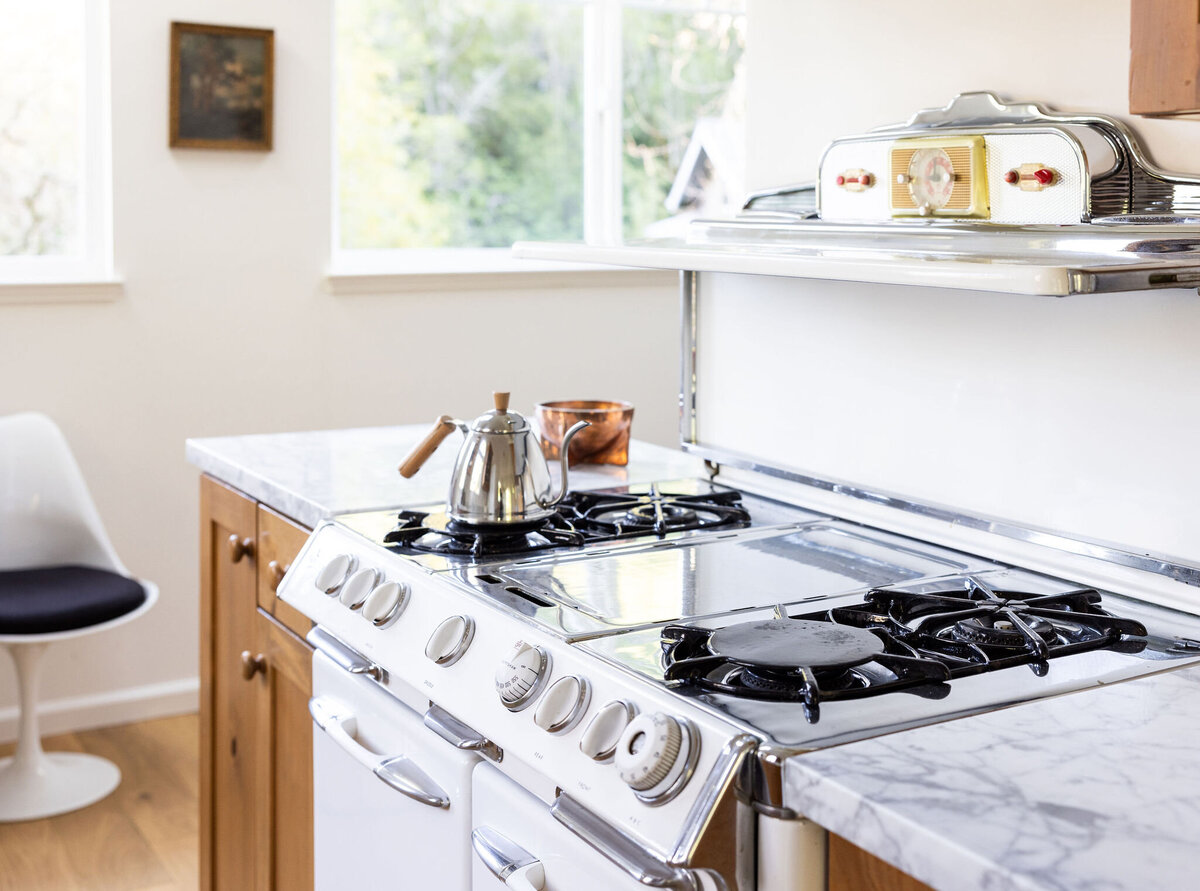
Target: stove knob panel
450	640
653	756
563	705
357	587
333	573
603	732
384	605
521	675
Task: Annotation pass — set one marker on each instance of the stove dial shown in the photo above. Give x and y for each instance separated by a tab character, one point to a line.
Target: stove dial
653	756
603	732
563	705
357	587
521	675
384	605
333	573
450	640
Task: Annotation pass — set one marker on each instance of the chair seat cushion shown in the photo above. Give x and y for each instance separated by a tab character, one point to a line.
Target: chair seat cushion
62	598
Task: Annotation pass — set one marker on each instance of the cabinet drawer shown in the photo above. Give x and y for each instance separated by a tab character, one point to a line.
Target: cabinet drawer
279	541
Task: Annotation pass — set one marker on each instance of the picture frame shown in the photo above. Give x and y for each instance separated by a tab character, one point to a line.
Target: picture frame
222	87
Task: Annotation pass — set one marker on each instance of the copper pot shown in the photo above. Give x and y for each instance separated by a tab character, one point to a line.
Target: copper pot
604	441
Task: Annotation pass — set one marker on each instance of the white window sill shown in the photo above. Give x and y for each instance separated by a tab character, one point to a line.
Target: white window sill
395	272
103	290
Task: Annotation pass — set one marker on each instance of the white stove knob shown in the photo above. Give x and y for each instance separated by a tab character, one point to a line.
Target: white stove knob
450	640
563	705
603	732
521	675
648	750
333	573
384	605
357	587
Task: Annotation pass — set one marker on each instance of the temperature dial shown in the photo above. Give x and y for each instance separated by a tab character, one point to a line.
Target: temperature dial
521	675
931	179
652	751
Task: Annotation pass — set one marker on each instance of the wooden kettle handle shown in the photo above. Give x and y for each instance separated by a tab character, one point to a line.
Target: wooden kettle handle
442	428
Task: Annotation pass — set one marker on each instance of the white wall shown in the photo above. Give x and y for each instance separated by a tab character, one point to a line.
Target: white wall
225	328
820	69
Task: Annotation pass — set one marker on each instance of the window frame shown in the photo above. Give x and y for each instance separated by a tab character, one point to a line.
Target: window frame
603	104
88	275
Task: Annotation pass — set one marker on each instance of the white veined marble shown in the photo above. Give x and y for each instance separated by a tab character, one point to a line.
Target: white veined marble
311	475
1096	790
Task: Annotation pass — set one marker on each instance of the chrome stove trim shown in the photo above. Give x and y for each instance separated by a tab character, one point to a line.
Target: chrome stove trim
1175	568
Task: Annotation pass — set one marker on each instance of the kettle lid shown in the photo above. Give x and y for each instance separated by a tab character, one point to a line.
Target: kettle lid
500	420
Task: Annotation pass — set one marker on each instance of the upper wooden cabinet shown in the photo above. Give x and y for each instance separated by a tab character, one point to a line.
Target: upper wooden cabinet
1164	59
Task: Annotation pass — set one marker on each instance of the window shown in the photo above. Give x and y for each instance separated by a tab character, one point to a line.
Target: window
474	124
53	210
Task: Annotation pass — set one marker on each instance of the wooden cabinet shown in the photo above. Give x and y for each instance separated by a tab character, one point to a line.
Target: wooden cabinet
255	732
1164	58
853	869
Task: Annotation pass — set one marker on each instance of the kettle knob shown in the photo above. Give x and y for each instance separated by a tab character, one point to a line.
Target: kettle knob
501	401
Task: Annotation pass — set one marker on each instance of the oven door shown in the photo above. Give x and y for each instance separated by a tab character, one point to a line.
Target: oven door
392	800
520	846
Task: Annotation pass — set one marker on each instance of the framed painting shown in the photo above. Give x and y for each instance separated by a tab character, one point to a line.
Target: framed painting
222	87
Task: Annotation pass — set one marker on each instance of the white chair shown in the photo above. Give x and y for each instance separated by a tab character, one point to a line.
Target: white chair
59	579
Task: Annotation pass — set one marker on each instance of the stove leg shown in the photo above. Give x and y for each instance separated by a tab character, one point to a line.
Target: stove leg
791	855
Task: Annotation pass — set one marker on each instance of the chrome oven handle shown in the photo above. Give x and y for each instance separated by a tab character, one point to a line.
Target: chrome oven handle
344	657
461	735
397	771
508	861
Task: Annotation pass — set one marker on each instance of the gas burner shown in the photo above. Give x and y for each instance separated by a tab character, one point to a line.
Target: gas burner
656	512
436	533
794	660
893	640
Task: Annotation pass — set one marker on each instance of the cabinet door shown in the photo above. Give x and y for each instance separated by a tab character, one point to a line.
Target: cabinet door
279	541
228	723
853	869
1164	57
284	820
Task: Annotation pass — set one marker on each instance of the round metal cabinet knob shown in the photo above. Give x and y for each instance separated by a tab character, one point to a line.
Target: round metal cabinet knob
648	750
384	605
333	573
603	732
521	675
450	640
357	587
563	705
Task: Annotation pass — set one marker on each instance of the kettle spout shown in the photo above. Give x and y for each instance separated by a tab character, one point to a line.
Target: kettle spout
562	486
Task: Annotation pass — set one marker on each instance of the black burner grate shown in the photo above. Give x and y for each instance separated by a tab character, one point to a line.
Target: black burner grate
923	640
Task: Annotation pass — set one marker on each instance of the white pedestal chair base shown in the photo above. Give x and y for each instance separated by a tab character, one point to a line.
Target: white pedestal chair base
55	783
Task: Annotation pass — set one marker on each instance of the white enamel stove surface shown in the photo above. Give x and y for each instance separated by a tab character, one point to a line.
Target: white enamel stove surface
465	686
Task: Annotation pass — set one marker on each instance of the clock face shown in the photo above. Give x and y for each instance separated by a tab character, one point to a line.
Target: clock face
930	178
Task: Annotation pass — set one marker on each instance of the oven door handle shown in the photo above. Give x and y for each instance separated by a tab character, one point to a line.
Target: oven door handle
397	771
508	861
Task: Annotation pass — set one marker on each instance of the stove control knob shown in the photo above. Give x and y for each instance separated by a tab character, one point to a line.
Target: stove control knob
521	675
450	640
603	732
357	587
333	573
563	705
384	605
649	751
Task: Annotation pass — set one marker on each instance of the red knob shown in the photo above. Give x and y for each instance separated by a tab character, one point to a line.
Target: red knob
1011	177
1044	176
865	179
841	180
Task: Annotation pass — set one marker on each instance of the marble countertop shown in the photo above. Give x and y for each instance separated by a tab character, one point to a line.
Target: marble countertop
311	475
1096	790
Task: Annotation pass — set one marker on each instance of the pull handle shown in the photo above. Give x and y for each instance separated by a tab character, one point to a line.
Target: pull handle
508	861
277	573
252	664
397	771
460	735
240	547
343	656
442	428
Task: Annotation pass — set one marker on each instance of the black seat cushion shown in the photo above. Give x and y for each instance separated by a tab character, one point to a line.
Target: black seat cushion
63	598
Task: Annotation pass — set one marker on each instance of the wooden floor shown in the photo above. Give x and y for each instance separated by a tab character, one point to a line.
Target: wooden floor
143	837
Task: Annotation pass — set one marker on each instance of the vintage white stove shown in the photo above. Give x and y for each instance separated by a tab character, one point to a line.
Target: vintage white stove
607	701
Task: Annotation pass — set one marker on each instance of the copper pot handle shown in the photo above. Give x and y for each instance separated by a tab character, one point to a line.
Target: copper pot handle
442	428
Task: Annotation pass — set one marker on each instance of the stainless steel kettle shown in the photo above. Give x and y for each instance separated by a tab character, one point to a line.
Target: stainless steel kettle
501	476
